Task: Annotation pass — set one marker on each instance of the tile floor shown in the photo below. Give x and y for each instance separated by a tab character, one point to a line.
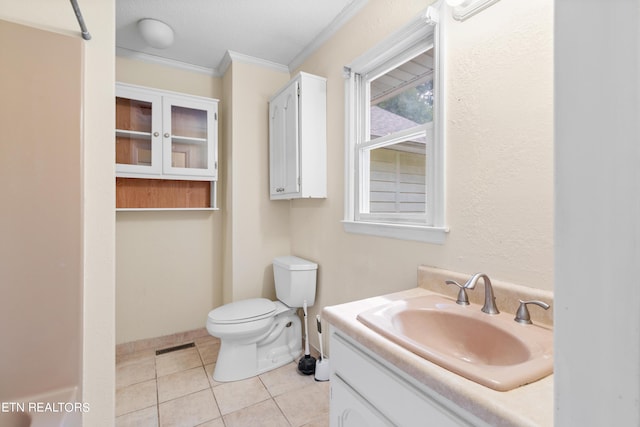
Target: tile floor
176	389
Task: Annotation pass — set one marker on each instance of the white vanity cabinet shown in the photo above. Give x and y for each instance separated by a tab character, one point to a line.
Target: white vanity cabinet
165	135
298	139
366	390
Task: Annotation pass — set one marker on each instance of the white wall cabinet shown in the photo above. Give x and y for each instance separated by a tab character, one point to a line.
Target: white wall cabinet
165	135
366	390
298	139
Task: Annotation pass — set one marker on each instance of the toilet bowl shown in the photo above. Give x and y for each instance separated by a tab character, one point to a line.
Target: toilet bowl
258	335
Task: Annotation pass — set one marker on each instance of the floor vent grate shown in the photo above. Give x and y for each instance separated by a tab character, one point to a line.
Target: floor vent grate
174	348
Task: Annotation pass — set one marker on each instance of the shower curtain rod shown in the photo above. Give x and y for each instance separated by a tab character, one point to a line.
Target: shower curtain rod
83	27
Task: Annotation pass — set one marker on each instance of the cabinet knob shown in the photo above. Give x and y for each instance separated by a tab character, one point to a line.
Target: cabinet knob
167	134
156	134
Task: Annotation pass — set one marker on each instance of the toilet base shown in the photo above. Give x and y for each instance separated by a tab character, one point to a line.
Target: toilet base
282	344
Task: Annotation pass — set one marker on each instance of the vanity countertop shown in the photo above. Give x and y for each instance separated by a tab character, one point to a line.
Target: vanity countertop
529	405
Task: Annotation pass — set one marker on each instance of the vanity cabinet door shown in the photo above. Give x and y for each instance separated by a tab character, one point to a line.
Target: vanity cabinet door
348	409
395	397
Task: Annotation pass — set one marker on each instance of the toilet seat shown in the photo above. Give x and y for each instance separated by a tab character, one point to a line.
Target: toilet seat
247	310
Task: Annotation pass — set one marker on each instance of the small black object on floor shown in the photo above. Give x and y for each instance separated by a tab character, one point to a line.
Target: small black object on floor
307	365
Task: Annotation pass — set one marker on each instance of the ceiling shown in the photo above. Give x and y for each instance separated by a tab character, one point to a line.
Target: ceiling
278	31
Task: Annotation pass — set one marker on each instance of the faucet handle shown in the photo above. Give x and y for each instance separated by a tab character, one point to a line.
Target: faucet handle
463	299
523	316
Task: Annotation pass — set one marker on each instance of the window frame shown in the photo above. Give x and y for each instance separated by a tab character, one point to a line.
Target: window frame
422	33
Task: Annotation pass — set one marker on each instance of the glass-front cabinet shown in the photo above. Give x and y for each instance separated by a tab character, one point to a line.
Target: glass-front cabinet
166	150
138	127
165	135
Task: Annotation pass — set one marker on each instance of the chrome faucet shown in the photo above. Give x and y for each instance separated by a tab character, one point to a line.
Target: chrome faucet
489	306
523	316
463	298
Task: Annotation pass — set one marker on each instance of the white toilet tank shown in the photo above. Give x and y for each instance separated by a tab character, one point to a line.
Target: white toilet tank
295	280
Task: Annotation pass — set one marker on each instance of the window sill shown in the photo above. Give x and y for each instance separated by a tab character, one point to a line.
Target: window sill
418	233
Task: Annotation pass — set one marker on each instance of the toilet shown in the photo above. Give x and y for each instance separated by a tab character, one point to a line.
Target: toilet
258	335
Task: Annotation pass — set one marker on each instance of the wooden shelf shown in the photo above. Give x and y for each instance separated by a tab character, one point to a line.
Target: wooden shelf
140	193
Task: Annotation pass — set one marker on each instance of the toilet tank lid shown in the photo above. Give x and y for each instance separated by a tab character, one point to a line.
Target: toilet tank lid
295	263
247	309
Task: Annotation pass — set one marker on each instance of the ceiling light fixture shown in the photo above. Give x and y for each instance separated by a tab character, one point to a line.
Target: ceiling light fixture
156	33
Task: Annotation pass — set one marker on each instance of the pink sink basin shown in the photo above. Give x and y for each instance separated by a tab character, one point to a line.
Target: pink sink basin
491	350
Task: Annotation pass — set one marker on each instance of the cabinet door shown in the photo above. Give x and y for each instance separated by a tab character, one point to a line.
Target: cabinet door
379	385
138	131
189	137
349	409
283	143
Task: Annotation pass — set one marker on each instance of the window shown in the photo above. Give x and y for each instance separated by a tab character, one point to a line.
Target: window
394	138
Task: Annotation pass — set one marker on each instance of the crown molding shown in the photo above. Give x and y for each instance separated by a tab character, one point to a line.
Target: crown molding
347	13
145	57
231	56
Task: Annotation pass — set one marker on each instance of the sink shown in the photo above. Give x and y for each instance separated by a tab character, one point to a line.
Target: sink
491	350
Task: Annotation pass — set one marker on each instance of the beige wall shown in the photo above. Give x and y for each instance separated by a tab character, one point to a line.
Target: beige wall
157	76
499	151
173	267
226	193
168	263
99	217
167	272
41	255
96	317
257	229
